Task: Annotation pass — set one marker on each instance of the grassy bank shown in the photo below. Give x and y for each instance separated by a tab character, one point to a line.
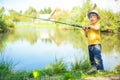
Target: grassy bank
8	72
55	71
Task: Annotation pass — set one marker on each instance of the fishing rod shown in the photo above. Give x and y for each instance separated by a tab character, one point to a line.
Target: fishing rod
75	25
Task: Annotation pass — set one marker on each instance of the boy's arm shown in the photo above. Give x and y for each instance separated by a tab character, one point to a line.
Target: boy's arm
95	27
85	31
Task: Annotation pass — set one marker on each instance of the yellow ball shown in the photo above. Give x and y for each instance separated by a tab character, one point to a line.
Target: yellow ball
36	74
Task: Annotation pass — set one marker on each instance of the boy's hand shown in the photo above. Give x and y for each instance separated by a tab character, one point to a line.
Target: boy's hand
86	28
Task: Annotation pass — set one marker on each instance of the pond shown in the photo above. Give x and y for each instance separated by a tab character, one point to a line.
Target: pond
35	48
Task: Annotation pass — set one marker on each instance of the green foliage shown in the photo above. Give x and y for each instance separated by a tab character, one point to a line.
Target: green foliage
111	40
78	15
3	25
15	16
47	70
9	23
61	16
19	17
109	22
17	76
36	74
97	74
118	20
6	25
56	68
117	69
45	11
74	16
5	22
68	76
31	12
80	65
59	67
7	70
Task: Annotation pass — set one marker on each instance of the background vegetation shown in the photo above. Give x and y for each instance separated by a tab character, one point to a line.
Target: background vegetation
5	21
109	23
56	70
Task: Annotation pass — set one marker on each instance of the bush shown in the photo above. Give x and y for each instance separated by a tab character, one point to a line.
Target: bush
61	15
78	15
56	68
59	67
3	25
109	23
5	22
68	76
118	68
9	24
80	65
47	70
7	71
17	76
6	25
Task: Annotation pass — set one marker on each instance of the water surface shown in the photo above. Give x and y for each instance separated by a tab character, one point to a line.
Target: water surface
35	48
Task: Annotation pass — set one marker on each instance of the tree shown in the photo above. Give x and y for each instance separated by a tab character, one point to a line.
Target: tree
5	22
45	11
49	10
31	12
108	23
78	15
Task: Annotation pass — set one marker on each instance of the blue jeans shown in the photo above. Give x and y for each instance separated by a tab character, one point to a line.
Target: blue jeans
95	56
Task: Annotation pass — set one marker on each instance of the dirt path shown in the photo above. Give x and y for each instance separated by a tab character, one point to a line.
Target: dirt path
110	77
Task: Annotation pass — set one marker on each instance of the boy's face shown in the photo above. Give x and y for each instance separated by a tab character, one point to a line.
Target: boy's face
93	18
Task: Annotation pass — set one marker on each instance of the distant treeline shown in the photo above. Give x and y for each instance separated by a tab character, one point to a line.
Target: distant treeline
110	21
8	17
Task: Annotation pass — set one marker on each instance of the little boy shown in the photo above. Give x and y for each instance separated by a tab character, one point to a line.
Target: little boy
94	45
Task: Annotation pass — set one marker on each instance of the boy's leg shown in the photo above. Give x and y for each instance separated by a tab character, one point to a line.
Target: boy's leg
98	57
91	58
91	55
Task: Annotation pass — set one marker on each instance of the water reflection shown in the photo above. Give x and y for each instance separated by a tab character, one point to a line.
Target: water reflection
111	50
34	48
110	42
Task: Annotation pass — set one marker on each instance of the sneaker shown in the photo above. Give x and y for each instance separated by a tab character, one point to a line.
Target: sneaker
100	71
93	69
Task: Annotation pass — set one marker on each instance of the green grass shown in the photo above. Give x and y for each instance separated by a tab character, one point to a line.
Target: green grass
55	71
117	69
78	71
55	68
7	71
5	68
80	65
